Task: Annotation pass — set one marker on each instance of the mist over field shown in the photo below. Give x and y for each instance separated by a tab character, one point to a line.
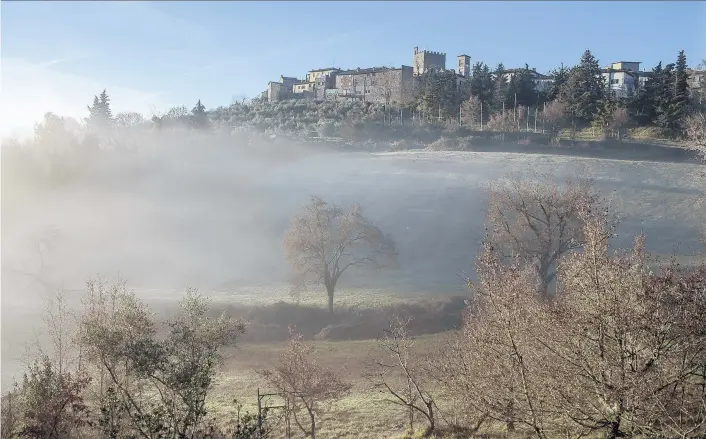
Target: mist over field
208	214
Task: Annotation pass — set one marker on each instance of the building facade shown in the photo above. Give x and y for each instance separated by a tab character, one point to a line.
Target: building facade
377	85
622	78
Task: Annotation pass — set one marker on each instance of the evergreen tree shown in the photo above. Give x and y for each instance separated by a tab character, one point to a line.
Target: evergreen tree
680	102
606	110
482	86
199	115
501	88
439	95
584	90
663	100
642	107
561	76
99	114
524	87
105	106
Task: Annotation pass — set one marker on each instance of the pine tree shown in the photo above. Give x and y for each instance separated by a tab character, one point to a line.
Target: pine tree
483	86
680	102
664	99
561	76
105	106
500	89
199	115
99	114
584	90
524	87
643	106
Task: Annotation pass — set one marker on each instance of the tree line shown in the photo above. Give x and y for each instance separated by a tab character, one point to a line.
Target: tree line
578	97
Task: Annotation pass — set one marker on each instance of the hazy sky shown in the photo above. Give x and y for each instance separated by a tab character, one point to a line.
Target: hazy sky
57	55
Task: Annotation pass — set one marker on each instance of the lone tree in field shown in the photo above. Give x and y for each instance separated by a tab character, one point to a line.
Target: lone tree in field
324	241
538	221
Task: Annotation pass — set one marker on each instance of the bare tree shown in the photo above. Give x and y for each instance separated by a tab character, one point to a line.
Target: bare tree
555	114
537	220
129	119
627	349
470	112
400	376
389	85
618	119
502	122
304	383
501	327
324	241
455	364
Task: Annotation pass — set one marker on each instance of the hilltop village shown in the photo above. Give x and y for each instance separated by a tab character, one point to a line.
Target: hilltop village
397	84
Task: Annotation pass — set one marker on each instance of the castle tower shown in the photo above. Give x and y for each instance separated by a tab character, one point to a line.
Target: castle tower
427	60
464	65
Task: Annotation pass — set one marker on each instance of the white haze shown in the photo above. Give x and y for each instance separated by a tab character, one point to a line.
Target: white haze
209	212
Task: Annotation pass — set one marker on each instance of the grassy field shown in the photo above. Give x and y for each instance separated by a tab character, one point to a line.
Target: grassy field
363	414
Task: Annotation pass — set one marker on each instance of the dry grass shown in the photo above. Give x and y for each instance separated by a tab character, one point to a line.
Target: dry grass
362	414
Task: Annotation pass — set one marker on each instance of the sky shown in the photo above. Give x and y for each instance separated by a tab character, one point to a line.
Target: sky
55	56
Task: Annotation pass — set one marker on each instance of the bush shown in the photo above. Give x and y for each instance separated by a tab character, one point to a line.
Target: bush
451	144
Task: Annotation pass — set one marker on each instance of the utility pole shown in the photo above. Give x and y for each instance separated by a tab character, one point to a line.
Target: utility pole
460	110
481	115
536	110
514	111
545	109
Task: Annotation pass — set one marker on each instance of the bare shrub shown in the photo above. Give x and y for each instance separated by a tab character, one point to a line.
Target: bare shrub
324	241
555	114
618	119
306	385
695	131
400	375
537	220
502	122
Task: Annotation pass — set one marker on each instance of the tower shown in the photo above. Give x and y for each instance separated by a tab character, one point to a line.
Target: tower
427	60
464	65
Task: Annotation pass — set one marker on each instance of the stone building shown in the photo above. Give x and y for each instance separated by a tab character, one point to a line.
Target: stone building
376	85
313	75
425	61
464	66
284	89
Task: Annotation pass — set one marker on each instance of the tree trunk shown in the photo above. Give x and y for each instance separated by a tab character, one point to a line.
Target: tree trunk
430	411
614	431
313	425
329	290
